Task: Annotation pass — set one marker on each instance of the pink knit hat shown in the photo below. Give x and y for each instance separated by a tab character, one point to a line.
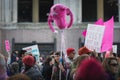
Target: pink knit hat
107	54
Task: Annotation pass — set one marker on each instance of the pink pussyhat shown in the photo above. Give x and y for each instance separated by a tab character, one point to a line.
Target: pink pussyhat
107	54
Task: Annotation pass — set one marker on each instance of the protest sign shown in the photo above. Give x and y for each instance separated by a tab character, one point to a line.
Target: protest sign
7	45
33	50
114	48
94	37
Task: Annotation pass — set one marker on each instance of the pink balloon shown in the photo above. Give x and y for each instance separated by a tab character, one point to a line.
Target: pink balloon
58	14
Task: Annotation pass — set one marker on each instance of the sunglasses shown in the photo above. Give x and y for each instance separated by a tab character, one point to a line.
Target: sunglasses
114	65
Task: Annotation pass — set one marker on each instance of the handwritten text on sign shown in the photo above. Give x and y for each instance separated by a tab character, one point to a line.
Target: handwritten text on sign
34	50
94	37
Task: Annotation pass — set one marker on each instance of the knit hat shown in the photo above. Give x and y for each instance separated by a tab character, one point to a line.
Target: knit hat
70	50
28	60
83	50
90	69
107	54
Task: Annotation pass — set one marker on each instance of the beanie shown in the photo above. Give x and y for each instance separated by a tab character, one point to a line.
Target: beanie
28	60
83	50
70	50
107	54
90	69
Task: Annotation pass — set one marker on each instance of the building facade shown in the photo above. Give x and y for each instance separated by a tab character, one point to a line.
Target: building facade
24	22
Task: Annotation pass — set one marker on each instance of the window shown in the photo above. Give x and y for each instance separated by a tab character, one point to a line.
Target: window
44	7
111	9
24	10
89	10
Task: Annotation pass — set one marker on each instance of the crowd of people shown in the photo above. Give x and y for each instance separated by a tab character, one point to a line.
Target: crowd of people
83	64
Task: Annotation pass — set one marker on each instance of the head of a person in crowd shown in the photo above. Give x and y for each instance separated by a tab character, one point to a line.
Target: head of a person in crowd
84	50
3	74
114	54
107	54
22	53
70	53
28	61
99	57
57	56
19	77
48	60
110	64
90	69
14	68
51	53
15	52
76	63
29	53
80	58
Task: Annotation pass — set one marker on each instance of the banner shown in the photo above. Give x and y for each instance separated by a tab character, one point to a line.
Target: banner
34	50
94	37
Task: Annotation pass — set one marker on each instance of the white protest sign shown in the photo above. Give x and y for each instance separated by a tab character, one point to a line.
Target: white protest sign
34	50
94	37
114	48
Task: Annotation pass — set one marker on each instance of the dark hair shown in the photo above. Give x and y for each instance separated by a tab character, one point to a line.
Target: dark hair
14	68
57	53
34	59
51	53
48	59
110	59
27	67
22	52
114	54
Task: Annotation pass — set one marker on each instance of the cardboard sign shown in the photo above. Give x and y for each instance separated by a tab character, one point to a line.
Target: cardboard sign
7	45
94	37
34	50
114	48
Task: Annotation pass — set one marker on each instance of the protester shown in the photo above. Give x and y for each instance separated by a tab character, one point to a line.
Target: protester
83	50
90	69
118	75
47	68
13	68
110	65
3	74
69	60
21	55
70	54
76	64
19	77
57	67
14	56
29	70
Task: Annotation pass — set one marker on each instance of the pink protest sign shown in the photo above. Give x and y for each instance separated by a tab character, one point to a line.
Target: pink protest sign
108	35
7	45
